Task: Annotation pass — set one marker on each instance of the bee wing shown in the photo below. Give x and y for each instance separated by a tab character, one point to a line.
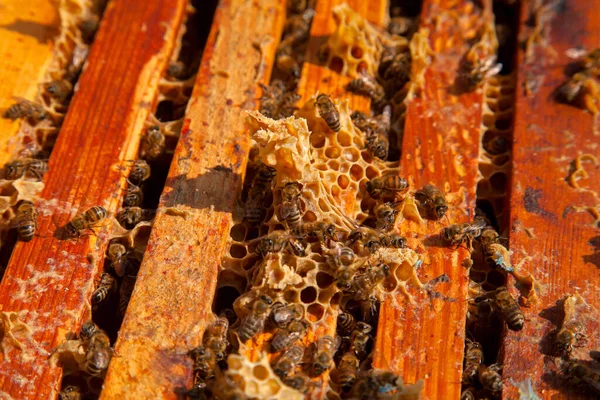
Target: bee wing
494	70
575	52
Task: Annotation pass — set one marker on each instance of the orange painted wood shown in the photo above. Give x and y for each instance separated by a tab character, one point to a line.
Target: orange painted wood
173	297
424	339
49	281
562	247
26	32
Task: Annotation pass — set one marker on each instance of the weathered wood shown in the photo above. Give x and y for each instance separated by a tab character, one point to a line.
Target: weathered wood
549	237
181	264
26	33
424	339
48	282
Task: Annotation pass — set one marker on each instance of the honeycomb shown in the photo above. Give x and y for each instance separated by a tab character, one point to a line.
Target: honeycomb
355	47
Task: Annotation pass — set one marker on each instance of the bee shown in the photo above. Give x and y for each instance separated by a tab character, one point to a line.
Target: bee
134	197
365	124
286	63
254	208
60	89
328	112
326	347
98	353
367	86
591	61
140	172
392	240
473	360
282	315
104	289
197	391
378	143
468	393
177	71
359	341
88	329
129	217
473	71
457	234
117	256
22	166
432	200
395	70
402	26
363	285
86	220
288	361
571	332
25	219
287	336
70	393
581	83
345	324
153	143
347	371
215	337
290	206
300	382
88	28
254	323
376	384
386	183
296	6
205	362
386	215
26	109
365	238
320	230
580	373
297	29
496	255
277	101
508	306
496	145
278	241
490	377
125	291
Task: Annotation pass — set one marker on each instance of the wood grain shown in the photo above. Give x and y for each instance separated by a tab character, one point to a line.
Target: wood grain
49	281
26	32
424	339
180	267
557	244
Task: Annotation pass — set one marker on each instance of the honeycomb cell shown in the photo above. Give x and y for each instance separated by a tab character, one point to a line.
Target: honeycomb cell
333	152
357	52
344	138
238	251
498	182
260	372
495	278
343	181
317	140
310	216
308	295
324	280
372	172
238	232
351	154
504	123
335	191
252	233
315	312
477	276
356	172
333	165
336	64
489	120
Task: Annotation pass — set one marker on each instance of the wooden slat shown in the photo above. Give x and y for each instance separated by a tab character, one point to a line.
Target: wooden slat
49	281
179	271
26	32
557	245
424	339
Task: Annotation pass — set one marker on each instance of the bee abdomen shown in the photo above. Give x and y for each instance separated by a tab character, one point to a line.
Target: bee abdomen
26	231
247	330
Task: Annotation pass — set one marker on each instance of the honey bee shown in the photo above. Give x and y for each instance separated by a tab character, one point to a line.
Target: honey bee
300	382
215	338
508	306
320	230
473	71
323	358
86	220
581	83
288	361
580	373
286	63
125	291
88	28
496	255
395	70
98	353
134	197
254	209
22	166
277	100
363	285
282	315
365	238
254	323
490	377
70	393
205	362
25	220
328	112
297	29
59	89
457	234
378	143
88	329
367	86
359	341
26	109
570	333
296	6
177	71
340	257
129	217
290	211
386	215
591	61
117	256
347	371
376	384
402	26
278	241
473	360
432	200
392	240
345	324
287	336
104	289
386	183
153	143
468	393
140	171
